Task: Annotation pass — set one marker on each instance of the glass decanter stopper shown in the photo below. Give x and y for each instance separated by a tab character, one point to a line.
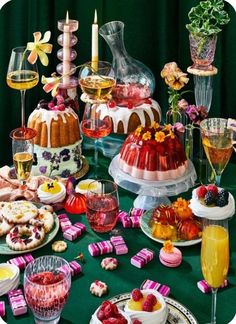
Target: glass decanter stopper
134	81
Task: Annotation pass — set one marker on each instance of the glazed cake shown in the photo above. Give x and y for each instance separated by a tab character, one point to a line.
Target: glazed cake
57	143
153	153
126	119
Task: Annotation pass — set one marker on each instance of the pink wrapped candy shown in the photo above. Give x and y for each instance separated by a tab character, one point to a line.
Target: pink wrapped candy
126	222
136	212
75	268
121	249
150	284
81	226
137	261
205	288
93	249
2	308
17	302
71	233
121	214
20	262
105	247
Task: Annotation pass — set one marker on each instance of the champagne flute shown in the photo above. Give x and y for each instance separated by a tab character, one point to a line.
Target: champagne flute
215	257
96	86
23	152
21	75
217	141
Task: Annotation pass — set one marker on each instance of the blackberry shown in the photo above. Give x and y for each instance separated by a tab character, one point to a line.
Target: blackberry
209	198
225	194
221	201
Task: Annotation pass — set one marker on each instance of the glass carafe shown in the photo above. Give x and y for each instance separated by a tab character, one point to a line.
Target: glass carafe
134	81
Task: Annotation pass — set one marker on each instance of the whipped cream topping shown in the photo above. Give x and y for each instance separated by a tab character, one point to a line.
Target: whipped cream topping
51	198
215	212
156	317
11	282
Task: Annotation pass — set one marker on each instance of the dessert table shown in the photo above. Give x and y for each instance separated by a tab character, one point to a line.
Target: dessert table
181	280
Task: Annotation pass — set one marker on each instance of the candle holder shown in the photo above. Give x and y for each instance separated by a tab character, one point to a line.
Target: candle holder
68	86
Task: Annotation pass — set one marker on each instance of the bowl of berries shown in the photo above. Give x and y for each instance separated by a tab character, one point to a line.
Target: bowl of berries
212	202
109	313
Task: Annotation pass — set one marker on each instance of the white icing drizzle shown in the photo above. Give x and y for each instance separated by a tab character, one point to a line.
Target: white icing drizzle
123	114
48	115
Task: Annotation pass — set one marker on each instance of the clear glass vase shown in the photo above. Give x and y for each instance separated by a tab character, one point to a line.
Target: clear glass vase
134	81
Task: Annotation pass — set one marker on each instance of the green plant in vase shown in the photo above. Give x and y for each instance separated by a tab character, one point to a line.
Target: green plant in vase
206	20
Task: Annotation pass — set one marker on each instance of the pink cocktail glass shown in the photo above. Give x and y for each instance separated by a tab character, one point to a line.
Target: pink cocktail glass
102	206
47	282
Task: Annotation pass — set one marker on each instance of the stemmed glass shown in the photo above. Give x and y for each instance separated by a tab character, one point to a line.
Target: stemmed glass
217	141
21	75
47	282
23	152
96	86
215	256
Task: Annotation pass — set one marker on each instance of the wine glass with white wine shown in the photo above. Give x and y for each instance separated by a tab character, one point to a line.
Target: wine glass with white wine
23	152
217	140
21	75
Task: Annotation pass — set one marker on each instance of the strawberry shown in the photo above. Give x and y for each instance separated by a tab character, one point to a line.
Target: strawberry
213	188
201	191
108	311
136	294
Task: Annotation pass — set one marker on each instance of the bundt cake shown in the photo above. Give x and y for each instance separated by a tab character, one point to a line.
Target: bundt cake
153	153
126	119
57	145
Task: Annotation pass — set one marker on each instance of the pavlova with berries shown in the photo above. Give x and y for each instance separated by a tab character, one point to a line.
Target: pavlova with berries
211	201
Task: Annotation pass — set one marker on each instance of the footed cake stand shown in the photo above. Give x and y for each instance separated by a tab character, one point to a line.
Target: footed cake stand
152	193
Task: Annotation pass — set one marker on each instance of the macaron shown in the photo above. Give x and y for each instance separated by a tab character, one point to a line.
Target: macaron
170	259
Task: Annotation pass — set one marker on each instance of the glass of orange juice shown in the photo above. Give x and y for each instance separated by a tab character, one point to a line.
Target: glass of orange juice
215	256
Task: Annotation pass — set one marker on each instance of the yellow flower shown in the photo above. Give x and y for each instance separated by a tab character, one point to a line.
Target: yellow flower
180	204
147	136
51	84
172	134
154	125
173	76
168	127
160	136
138	130
168	246
39	48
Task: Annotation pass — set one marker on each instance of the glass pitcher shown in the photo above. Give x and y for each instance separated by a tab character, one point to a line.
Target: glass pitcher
135	82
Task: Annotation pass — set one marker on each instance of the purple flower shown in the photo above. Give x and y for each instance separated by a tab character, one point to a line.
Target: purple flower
179	127
47	155
196	113
43	169
65	173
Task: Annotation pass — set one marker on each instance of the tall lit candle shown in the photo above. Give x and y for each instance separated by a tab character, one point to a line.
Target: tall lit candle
94	58
66	51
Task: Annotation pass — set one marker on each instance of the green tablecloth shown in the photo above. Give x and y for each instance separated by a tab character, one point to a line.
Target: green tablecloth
182	280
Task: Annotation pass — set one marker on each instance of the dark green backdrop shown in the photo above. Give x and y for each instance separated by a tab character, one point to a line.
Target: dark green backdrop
155	33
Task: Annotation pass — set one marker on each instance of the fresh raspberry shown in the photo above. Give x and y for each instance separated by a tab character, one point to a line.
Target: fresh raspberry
213	188
104	304
112	104
201	191
108	311
130	105
100	315
136	294
152	299
147	306
136	321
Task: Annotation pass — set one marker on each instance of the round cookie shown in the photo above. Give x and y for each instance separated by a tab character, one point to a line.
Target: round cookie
59	246
4	226
109	263
19	212
25	237
45	219
170	256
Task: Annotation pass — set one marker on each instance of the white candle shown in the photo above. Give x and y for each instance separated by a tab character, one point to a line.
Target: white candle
66	51
94	55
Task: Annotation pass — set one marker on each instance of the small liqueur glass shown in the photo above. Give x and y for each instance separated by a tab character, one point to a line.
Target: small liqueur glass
23	152
102	205
47	282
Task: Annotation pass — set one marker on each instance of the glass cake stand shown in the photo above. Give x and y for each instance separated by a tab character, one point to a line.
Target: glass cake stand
152	193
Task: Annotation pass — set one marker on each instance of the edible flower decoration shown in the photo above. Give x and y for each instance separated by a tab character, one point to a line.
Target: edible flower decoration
176	80
168	247
157	133
51	84
39	48
80	257
182	209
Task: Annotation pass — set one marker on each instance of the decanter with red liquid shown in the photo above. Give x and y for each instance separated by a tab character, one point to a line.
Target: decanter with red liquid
134	81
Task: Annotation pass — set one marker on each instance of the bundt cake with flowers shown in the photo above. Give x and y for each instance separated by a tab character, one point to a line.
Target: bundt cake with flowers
57	145
153	153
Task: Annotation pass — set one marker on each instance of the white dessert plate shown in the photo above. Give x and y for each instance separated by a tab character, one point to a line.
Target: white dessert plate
178	313
147	231
4	248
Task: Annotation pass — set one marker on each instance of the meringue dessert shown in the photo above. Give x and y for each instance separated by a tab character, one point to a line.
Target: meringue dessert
51	192
148	306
